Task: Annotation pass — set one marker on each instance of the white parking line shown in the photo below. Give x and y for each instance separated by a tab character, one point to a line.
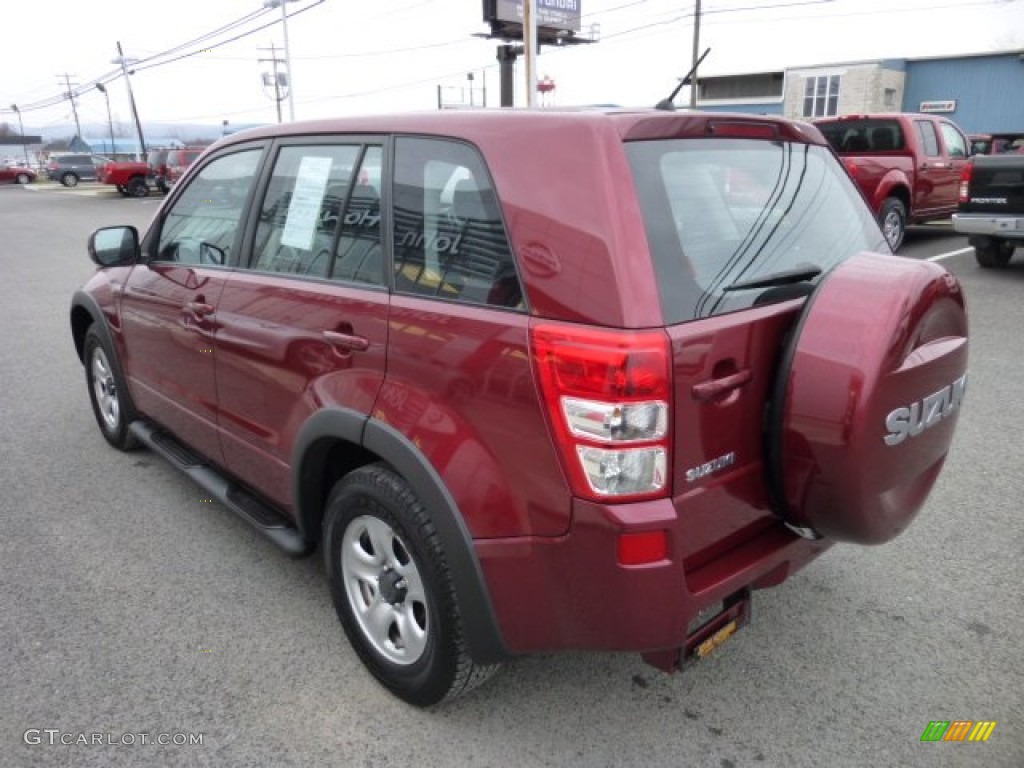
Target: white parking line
949	254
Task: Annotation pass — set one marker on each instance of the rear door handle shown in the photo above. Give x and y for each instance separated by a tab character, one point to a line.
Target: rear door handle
709	390
347	341
199	308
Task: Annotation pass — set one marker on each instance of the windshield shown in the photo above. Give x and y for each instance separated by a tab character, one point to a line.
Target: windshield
724	213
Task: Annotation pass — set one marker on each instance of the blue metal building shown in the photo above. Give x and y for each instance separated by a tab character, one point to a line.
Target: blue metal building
987	90
982	93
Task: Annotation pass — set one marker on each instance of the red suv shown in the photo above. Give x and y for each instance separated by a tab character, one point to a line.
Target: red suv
531	380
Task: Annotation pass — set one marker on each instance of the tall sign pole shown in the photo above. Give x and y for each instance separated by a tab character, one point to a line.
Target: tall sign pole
530	50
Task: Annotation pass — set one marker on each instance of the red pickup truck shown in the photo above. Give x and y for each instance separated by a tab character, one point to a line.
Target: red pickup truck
907	165
129	177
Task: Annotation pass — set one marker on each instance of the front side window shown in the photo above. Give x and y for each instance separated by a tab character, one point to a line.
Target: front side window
956	144
725	216
821	96
448	236
202	224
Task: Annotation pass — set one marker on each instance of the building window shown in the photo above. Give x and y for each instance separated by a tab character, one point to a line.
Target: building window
890	98
821	96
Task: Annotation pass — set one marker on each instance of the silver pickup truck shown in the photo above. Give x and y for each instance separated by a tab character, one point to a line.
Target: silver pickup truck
991	209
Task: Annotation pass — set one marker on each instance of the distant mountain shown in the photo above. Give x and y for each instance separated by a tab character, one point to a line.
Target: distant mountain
183	131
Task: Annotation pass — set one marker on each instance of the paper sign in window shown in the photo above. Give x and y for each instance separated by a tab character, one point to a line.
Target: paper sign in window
307	197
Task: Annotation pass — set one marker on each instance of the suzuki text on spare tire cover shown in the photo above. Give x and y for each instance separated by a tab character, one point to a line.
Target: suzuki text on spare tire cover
530	380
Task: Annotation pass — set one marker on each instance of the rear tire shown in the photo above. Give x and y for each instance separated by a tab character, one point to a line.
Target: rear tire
393	591
991	253
137	187
22	178
893	221
69	180
111	403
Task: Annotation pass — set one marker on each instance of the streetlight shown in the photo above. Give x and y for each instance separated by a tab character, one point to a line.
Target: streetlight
110	121
21	125
287	52
131	97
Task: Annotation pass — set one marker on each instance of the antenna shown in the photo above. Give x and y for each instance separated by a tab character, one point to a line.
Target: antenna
668	104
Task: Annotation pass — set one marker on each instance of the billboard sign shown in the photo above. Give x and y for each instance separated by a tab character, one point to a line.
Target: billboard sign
551	14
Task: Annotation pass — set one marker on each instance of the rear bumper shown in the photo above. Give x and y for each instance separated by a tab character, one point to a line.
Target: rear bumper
1008	226
570	591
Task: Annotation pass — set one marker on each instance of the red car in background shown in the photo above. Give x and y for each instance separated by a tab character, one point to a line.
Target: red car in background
178	161
19	174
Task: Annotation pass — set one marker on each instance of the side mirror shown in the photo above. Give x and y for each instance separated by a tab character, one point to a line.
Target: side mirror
114	246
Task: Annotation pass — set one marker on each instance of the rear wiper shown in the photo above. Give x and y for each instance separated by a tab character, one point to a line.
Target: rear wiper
785	277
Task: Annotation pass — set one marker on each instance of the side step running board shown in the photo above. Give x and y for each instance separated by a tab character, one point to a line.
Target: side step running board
264	519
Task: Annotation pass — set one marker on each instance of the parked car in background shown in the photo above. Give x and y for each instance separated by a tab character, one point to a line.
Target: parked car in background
156	174
19	174
178	161
907	165
992	207
70	169
524	401
129	176
996	143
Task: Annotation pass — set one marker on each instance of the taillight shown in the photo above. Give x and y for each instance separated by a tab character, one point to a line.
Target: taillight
608	396
965	182
851	167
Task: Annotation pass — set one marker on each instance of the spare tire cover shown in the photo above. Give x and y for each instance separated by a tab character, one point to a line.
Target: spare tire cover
866	398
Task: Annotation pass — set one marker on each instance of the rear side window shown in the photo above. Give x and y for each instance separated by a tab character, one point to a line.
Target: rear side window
871	135
448	236
929	139
722	213
299	215
321	214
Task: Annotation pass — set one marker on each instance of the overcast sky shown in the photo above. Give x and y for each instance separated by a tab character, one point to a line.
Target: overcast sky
387	55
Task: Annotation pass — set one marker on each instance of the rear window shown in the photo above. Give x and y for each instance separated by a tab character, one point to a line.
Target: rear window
720	213
869	135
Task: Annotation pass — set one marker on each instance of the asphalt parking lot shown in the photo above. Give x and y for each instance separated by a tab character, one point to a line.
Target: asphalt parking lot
129	606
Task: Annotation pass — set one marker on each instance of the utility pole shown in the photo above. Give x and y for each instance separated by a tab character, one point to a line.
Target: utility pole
696	59
530	50
274	61
287	51
131	100
70	95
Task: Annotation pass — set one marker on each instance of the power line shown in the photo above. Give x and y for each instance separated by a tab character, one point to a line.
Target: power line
160	59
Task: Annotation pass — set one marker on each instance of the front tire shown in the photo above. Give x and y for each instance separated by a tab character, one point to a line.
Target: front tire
22	178
393	591
111	403
893	220
991	253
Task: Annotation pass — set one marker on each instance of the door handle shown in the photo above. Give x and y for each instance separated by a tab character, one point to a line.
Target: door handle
346	341
199	308
712	388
